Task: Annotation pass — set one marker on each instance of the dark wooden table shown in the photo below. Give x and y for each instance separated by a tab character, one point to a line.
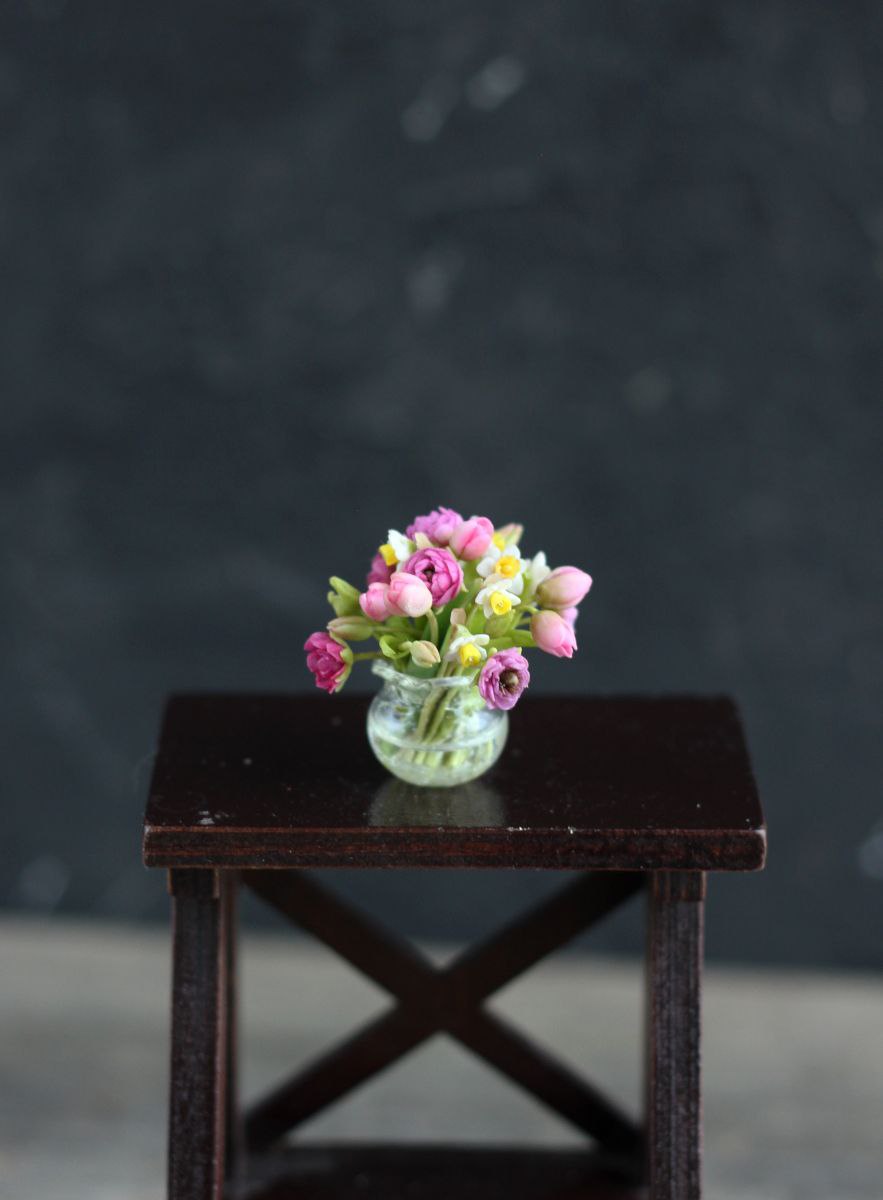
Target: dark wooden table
638	794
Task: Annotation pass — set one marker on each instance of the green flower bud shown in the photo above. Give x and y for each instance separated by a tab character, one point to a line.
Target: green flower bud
497	626
353	628
423	654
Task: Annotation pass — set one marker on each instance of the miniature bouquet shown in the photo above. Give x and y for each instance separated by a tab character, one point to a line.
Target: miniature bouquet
451	605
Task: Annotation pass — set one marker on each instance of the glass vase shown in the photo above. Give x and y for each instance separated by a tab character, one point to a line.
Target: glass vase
433	732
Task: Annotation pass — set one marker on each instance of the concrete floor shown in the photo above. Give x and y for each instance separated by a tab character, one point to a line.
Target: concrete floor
793	1063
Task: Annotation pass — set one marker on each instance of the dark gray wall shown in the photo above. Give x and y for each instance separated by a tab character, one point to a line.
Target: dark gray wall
278	275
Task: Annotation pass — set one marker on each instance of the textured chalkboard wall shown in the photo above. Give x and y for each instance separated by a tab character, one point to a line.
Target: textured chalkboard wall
276	275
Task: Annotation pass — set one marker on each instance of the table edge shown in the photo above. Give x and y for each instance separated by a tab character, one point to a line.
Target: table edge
487	847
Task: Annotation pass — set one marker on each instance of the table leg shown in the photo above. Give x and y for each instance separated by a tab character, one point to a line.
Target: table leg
234	1131
199	1036
674	970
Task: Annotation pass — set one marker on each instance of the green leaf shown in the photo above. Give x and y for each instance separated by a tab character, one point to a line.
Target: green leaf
390	647
477	622
343	588
344	606
520	639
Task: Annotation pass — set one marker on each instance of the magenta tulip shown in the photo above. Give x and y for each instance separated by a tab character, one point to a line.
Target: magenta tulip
327	659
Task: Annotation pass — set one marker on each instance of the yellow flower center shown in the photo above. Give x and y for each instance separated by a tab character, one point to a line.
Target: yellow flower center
501	603
507	564
470	655
388	555
498	540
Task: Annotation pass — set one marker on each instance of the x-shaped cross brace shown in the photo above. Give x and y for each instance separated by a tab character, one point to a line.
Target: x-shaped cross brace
449	999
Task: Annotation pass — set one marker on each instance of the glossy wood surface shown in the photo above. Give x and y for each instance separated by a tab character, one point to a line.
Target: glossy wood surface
627	783
198	1083
674	995
432	1173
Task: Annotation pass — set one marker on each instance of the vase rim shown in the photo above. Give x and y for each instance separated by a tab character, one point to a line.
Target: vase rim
385	670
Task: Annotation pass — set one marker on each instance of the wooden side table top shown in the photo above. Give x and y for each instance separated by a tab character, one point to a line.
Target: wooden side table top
617	783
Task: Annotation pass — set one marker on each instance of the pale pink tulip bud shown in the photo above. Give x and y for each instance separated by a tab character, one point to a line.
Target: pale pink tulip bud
409	596
552	634
570	615
471	538
564	588
375	602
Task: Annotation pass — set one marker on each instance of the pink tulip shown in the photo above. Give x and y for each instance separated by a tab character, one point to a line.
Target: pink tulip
471	538
564	588
570	615
375	602
408	596
553	634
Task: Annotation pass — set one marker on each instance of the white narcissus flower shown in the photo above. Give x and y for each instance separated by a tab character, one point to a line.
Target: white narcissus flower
505	561
536	571
396	549
500	595
502	570
467	648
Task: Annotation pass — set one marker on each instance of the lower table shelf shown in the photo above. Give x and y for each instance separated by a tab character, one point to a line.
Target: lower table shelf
415	1172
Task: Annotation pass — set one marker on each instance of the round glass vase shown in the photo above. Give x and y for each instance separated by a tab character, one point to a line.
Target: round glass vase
433	732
